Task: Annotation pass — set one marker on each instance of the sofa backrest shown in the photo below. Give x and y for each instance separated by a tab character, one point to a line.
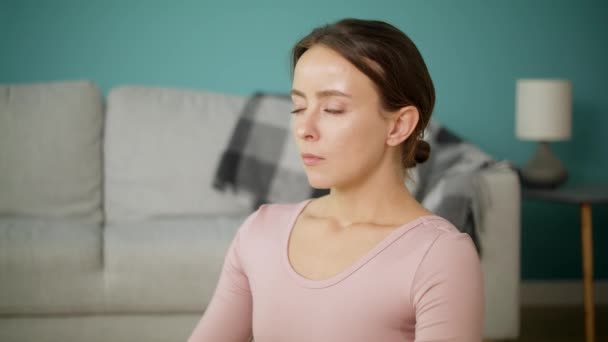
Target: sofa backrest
162	148
51	150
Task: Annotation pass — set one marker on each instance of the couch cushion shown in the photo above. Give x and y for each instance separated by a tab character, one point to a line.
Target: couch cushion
163	266
50	266
50	150
48	245
170	264
162	147
47	293
100	328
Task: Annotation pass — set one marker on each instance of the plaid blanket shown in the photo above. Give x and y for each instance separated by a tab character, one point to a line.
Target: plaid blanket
448	183
262	159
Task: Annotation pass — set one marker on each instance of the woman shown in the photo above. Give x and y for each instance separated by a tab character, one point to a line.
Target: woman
366	262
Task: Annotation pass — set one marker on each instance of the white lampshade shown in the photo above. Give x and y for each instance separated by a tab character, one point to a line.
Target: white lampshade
543	109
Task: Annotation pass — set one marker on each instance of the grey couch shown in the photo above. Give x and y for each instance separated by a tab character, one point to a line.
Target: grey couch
110	229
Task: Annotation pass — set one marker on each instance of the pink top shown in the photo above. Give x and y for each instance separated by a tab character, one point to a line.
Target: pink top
423	282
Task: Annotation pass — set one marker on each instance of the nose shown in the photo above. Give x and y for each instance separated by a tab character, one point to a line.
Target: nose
306	126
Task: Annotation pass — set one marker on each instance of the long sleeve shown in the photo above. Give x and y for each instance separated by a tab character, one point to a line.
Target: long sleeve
228	316
447	292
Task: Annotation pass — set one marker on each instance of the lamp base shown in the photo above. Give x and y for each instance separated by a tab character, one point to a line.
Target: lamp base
544	170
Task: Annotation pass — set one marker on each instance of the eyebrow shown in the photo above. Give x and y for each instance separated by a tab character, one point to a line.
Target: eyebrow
322	93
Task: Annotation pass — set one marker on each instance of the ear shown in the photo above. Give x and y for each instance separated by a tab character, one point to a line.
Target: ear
402	125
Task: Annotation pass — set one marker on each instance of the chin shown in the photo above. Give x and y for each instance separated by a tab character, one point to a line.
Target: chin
319	181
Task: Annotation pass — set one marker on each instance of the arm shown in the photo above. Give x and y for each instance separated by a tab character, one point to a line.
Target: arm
228	315
447	292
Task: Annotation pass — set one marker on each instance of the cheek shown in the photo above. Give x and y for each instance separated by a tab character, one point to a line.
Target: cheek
340	135
356	137
292	125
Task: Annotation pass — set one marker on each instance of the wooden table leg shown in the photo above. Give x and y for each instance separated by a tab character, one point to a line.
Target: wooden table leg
587	246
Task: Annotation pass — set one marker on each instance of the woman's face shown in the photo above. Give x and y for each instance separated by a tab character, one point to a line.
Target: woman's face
337	117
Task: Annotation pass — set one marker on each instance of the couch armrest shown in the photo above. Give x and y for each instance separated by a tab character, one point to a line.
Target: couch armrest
499	235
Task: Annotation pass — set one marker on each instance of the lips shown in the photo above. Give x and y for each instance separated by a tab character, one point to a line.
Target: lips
310	159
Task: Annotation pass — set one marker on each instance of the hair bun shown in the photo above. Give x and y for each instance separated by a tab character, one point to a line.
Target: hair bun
423	151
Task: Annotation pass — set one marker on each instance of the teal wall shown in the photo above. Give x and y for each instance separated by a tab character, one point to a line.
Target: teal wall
475	51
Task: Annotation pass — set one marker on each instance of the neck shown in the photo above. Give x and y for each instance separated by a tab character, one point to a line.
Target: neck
380	197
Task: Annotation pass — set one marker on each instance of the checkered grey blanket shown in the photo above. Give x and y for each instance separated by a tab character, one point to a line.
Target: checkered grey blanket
262	159
447	183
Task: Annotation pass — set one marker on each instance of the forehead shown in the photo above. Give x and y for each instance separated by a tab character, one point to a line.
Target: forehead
321	67
320	56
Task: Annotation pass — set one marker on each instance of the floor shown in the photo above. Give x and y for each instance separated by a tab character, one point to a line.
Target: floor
560	324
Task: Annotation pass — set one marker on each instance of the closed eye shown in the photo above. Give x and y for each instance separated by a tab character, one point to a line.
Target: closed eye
330	111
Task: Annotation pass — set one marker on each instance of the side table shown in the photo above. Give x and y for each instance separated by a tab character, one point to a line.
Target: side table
585	196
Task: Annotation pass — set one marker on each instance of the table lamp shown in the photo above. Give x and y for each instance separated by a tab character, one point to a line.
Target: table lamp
543	113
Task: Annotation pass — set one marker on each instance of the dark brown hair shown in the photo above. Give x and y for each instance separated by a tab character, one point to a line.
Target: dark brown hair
392	61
